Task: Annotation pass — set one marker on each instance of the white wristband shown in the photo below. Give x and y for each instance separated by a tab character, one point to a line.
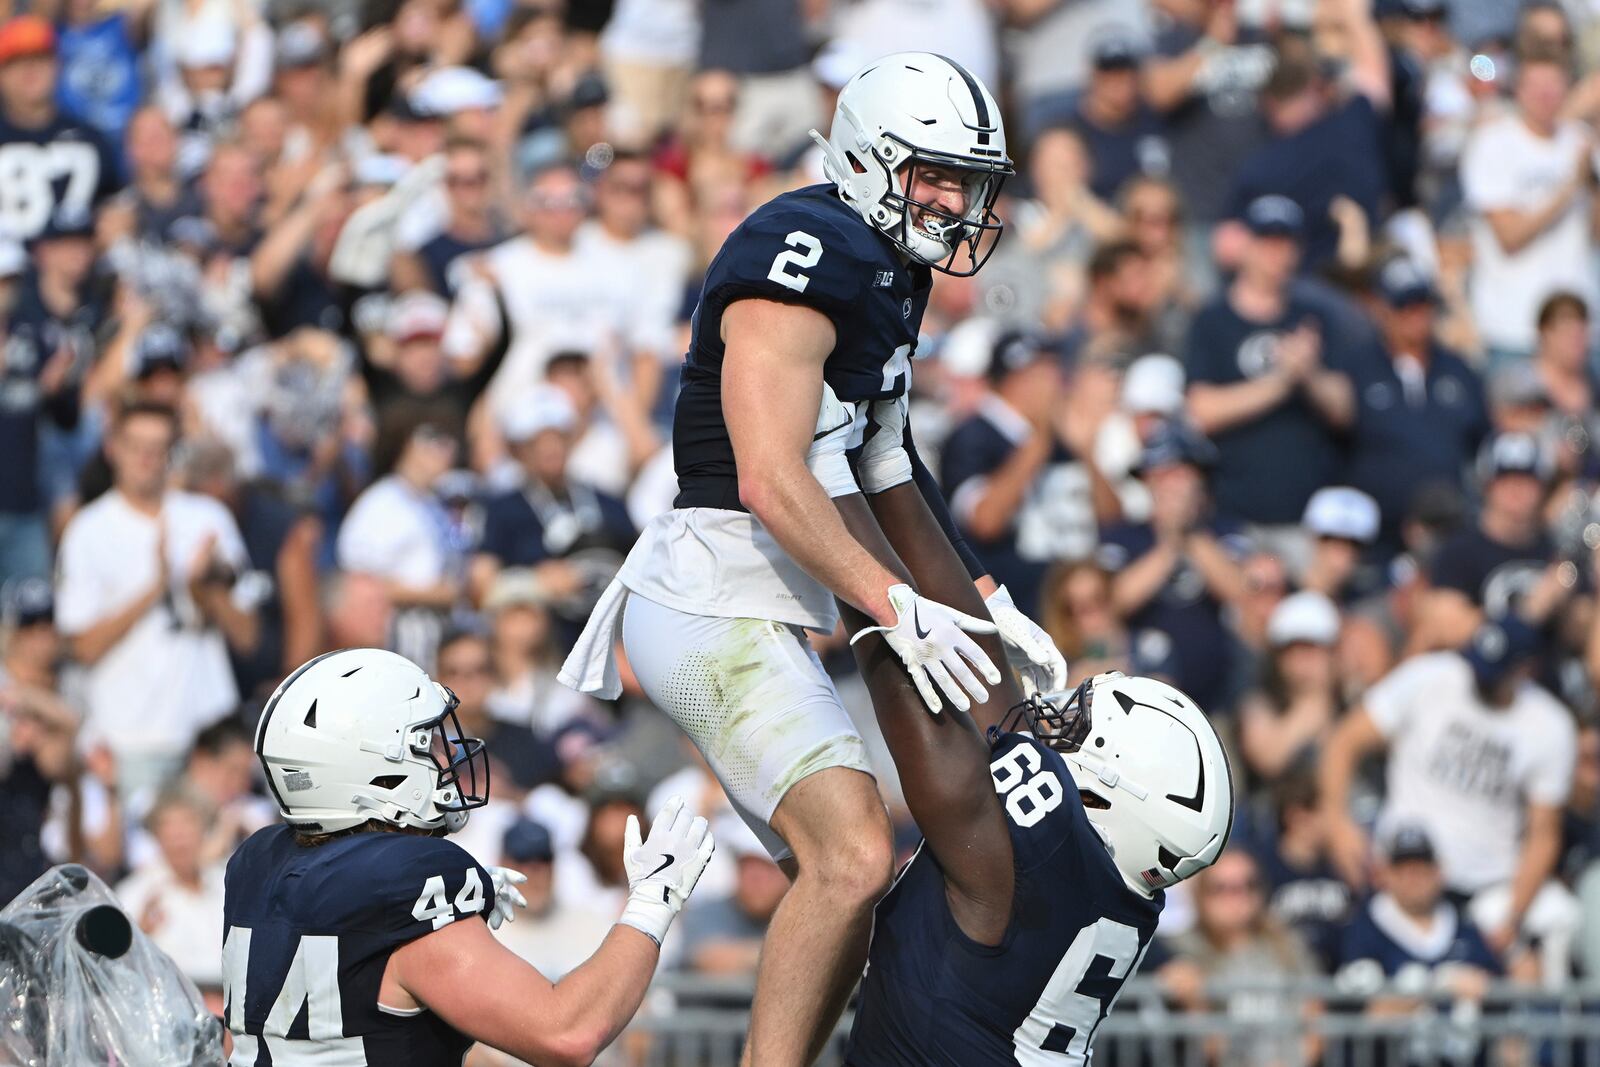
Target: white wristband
652	918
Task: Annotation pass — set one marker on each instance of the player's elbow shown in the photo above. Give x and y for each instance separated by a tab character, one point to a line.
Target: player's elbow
577	1046
756	493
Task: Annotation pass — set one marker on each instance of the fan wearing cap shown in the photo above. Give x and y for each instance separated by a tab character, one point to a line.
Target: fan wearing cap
1174	573
1421	411
1151	394
559	929
1326	149
1343	524
1479	755
1285	723
552	522
1410	932
1267	381
1504	560
1018	492
1122	133
408	375
75	167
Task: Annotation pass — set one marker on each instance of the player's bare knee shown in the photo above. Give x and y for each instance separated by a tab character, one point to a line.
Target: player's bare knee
857	870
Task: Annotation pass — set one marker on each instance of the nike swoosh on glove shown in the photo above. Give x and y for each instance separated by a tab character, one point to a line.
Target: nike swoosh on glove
1040	666
506	897
664	867
931	640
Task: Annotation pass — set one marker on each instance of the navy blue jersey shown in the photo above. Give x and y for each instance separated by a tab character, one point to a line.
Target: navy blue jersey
933	997
64	166
310	931
1380	934
804	247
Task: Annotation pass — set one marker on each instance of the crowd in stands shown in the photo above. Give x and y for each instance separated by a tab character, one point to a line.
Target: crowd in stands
330	323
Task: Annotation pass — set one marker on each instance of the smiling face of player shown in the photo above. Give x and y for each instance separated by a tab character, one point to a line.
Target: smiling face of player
944	188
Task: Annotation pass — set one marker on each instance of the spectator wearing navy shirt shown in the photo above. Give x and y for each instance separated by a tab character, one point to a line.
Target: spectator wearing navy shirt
1174	573
550	517
1327	140
471	224
1304	890
1420	411
1020	496
1122	133
1262	385
1411	934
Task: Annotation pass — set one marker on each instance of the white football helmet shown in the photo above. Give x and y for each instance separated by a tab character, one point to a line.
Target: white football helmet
364	734
1153	759
911	109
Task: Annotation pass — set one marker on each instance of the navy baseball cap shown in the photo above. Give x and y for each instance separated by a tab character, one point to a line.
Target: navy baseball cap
1014	350
1499	646
160	347
27	602
1116	51
1410	841
1402	283
1275	216
1175	442
526	841
68	221
1426	9
1511	453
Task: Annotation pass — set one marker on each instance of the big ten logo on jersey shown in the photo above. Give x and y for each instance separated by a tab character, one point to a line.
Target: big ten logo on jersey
1030	792
36	180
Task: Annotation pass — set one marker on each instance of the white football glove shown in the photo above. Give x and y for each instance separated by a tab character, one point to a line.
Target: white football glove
663	869
506	897
931	640
1040	666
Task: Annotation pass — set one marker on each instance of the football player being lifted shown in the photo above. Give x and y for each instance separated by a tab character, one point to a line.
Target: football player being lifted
794	394
358	934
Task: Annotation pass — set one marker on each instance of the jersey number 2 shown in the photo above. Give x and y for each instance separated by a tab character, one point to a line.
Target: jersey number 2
1079	994
803	252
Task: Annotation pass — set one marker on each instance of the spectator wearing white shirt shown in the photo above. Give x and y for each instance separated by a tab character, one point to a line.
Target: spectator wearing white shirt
146	601
176	898
399	532
553	934
1527	178
1483	758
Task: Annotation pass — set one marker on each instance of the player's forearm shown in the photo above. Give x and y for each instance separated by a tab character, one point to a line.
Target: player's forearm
599	997
795	509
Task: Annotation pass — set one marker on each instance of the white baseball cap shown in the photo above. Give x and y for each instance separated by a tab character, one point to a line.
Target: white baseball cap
449	90
1305	616
209	43
13	259
1153	385
417	314
969	346
544	407
1340	511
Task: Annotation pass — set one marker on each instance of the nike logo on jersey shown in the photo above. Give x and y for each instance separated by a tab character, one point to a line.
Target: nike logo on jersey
916	622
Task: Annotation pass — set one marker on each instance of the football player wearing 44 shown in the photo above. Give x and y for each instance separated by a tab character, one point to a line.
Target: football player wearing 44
792	414
357	934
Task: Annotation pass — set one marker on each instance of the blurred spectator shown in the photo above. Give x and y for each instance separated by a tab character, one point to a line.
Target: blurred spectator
1117	316
176	898
722	935
1526	177
36	749
146	602
471	224
1120	131
1326	140
156	194
1235	938
1151	393
1174	573
1494	565
650	49
280	579
1343	524
550	518
1482	758
554	933
1077	611
520	760
526	656
1421	412
1567	384
35	384
766	43
701	156
1019	493
1410	933
1304	890
398	531
100	79
1263	384
56	162
220	773
1283	726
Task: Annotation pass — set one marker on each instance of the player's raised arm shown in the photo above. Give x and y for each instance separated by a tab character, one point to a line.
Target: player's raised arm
477	985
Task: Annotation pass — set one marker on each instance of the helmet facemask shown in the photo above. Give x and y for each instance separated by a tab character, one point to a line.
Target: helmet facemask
461	764
1063	728
952	244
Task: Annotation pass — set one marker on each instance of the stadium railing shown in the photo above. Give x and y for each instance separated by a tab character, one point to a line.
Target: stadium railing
701	1022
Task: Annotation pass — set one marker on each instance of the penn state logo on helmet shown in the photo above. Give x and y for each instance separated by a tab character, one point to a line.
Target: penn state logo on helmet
1155	766
363	734
901	116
